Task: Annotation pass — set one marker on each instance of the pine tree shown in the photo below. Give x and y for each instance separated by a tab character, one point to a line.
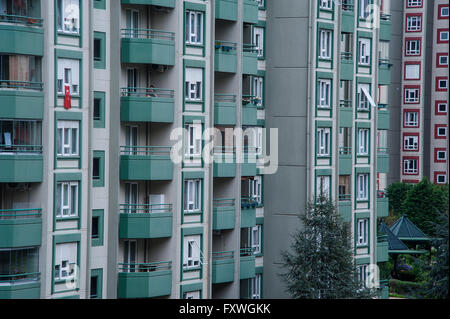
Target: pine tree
321	263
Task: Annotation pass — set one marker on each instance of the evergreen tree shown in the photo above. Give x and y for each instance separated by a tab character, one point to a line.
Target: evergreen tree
396	192
321	262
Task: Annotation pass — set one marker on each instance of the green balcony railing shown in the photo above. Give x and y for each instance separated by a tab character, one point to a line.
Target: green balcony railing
248	211
146	163
249	109
161	3
385	17
345	160
21	85
148	34
225	57
24	285
24	20
225	109
224	210
19	278
144	280
222	267
20	227
250	12
20	163
249	59
226	10
348	5
346	56
345	150
247	263
145	220
382	204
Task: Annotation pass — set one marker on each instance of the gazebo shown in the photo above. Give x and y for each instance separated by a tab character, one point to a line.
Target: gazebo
406	231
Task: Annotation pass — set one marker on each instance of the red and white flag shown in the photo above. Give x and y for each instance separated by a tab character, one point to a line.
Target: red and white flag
67	103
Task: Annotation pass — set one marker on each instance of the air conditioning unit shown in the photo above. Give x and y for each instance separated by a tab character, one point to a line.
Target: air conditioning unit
17	187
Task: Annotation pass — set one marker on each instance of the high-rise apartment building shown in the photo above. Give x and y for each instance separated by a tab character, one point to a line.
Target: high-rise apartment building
419	94
98	100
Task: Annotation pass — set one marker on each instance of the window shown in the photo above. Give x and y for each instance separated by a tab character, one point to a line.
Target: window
361	272
364	51
191	251
98	110
414	23
412	95
325	44
192	295
258	40
442	60
256	239
16	69
98	169
93	287
19	263
255	286
414	3
19	136
362	236
257	90
193	84
68	74
99	50
193	140
440	155
412	71
410	166
411	118
323	141
411	142
443	11
132	23
97	227
67	199
364	8
129	255
66	260
255	187
68	16
344	188
442	35
440	131
323	186
413	47
441	84
363	187
192	195
326	4
194	27
440	177
67	138
94	227
260	3
324	94
441	108
363	141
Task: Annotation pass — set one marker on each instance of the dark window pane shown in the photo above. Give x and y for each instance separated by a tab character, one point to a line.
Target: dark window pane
94	227
96	168
97	109
97	54
94	287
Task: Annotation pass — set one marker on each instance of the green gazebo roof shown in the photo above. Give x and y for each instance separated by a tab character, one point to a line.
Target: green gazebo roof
405	230
395	245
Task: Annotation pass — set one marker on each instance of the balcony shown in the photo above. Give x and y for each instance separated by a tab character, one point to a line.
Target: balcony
224	162
385	27
249	110
148	46
20	227
382	160
145	221
345	207
20	286
21	99
20	163
21	35
147	105
345	113
159	3
250	13
247	264
384	72
382	204
225	58
249	59
225	109
345	160
248	162
222	267
348	17
382	249
146	280
224	213
347	66
226	10
145	163
383	117
248	212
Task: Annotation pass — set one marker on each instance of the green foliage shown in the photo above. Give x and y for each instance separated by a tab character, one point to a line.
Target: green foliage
397	194
320	264
406	288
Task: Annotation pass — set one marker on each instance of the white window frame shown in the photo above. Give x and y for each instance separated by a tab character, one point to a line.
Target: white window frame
363	13
362	235
413	23
256	239
323	183
68	73
442	33
410	166
65	144
326	4
412	71
255	286
193	140
66	260
191	251
362	187
192	294
68	26
193	84
445	107
412	95
411	142
324	94
443	81
413	47
68	205
365	51
192	195
323	141
414	3
194	27
325	44
258	89
441	152
443	62
411	119
441	175
363	141
258	40
362	274
441	128
444	8
255	189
